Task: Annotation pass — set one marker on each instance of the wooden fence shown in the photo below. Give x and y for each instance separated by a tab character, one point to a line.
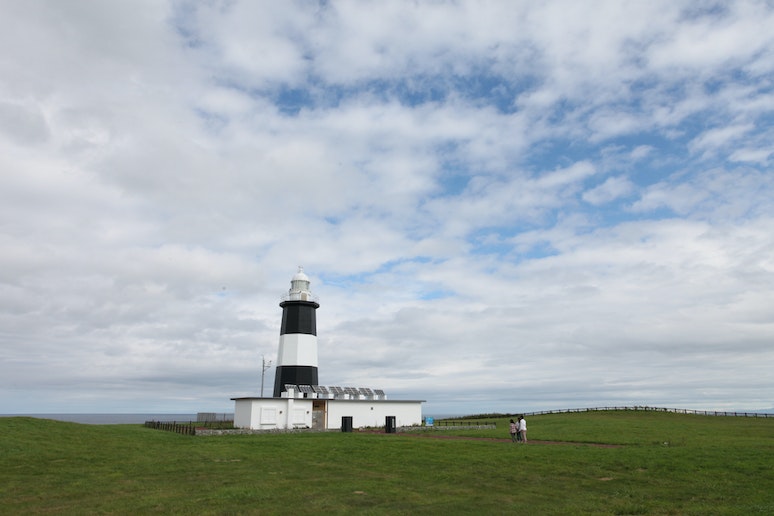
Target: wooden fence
189	427
655	409
462	422
172	426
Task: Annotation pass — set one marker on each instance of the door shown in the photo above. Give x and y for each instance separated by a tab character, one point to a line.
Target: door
318	415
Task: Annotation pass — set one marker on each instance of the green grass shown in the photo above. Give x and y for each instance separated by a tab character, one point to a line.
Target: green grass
711	465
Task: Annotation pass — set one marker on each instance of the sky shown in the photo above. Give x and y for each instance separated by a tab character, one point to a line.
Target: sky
502	206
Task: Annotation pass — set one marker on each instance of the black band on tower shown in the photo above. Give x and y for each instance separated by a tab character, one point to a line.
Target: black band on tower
299	317
294	375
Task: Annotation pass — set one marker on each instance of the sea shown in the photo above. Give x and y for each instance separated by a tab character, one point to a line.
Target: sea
120	419
138	419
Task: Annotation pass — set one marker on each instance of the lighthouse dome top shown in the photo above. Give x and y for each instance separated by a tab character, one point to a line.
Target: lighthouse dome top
300	276
299	288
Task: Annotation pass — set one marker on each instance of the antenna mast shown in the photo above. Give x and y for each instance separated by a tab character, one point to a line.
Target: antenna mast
265	364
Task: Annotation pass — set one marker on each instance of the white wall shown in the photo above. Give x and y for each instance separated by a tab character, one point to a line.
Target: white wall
372	413
243	413
272	413
287	413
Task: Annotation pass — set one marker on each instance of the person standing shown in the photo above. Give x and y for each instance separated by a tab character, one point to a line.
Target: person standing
514	430
522	427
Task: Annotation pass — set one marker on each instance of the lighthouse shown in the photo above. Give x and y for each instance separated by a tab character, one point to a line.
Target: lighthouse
307	404
297	354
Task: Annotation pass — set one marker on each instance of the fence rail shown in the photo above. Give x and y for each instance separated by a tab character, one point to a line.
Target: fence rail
188	427
463	422
172	426
655	409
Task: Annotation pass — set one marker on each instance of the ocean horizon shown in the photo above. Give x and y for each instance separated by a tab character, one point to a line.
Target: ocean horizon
138	419
121	419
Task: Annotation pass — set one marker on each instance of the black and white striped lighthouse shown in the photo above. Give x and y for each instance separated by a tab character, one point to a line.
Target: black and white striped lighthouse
297	354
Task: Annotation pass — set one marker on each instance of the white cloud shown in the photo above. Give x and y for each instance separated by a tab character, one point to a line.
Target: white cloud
752	155
712	41
611	189
23	123
712	140
568	204
641	151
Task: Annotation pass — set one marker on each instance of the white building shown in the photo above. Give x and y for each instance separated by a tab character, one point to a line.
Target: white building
325	414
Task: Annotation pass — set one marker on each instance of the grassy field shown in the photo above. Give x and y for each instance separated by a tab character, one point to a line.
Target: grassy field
666	464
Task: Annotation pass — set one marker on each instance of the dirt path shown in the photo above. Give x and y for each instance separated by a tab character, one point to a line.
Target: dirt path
436	435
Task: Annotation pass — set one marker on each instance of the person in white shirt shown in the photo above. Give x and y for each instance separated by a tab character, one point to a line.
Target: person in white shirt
523	429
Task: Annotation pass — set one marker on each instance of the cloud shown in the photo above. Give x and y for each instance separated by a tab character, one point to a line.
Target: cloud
611	189
501	206
719	138
751	155
23	124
